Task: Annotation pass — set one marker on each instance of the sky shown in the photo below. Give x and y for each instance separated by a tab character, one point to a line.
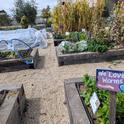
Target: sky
8	5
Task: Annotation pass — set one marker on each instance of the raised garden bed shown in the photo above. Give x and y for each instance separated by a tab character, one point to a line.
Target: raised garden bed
79	107
12	104
31	59
88	57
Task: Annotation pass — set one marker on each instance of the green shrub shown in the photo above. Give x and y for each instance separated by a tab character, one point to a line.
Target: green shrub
77	36
27	8
5	19
98	45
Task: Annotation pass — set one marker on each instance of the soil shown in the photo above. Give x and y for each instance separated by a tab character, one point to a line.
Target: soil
44	86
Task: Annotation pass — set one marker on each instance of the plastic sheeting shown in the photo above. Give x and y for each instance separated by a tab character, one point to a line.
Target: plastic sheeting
22	39
43	31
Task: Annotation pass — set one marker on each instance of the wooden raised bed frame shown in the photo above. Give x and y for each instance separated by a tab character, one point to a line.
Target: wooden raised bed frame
88	57
77	111
33	56
14	104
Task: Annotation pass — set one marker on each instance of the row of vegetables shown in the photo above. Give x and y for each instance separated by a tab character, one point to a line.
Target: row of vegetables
12	54
76	42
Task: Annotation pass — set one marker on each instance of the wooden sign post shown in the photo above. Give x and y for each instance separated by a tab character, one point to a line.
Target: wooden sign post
112	112
113	81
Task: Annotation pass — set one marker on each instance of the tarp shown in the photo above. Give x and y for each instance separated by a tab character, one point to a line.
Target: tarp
23	39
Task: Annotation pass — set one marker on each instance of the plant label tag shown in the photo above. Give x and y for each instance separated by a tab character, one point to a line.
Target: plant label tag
95	103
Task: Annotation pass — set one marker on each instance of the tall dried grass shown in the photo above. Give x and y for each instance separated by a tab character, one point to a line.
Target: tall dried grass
73	16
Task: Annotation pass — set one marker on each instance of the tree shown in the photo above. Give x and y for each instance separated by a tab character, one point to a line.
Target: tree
30	12
46	13
18	11
4	19
25	8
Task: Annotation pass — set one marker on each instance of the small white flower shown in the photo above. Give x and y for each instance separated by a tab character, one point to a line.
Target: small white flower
67	33
83	30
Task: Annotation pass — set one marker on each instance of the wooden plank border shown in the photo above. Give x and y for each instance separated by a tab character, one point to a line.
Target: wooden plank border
33	56
77	112
88	57
14	104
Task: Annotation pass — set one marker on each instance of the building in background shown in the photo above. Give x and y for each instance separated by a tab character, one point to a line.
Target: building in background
39	19
2	12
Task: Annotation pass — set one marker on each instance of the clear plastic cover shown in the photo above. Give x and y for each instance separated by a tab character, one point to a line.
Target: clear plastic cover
22	39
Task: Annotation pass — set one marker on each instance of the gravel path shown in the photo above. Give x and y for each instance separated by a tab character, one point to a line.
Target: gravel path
44	86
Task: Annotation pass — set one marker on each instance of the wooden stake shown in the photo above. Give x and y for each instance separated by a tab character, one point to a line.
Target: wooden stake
112	112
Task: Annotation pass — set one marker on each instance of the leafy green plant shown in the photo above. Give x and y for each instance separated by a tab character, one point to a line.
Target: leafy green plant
81	46
58	36
77	36
83	36
93	45
98	45
90	84
102	114
120	107
73	36
69	48
74	47
12	54
7	54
